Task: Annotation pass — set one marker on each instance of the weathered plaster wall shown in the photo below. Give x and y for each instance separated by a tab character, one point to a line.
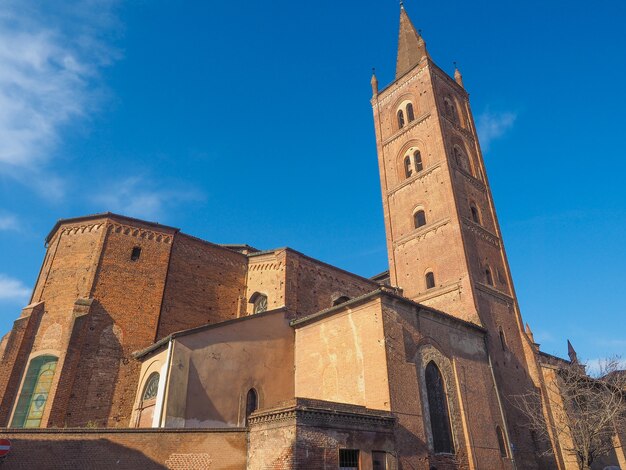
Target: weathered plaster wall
342	358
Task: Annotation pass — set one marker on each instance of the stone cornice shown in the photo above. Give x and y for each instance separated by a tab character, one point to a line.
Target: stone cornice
420	119
329	414
421	232
419	175
481	232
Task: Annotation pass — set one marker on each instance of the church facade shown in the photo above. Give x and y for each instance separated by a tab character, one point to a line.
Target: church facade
167	351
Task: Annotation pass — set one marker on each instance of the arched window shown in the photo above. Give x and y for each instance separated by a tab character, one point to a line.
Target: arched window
34	395
151	388
488	276
340	300
259	302
501	443
409	112
419	219
417	158
400	119
475	214
450	110
408	171
252	403
430	280
438	410
461	160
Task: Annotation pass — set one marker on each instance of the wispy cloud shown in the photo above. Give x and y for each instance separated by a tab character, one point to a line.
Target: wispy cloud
50	57
13	289
8	222
492	125
140	197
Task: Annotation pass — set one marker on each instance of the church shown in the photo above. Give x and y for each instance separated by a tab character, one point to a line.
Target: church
143	346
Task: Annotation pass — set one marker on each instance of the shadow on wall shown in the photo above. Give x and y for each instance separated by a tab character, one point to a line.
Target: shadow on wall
74	453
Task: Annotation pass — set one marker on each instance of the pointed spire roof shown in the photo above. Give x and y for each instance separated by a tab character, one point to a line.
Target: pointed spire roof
411	46
571	352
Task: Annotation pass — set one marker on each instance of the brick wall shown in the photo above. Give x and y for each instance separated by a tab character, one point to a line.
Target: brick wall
205	284
126	449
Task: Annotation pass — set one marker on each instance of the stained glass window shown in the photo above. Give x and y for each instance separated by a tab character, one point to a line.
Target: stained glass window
33	397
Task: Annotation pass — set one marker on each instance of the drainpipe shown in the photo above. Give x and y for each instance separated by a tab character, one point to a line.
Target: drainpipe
506	427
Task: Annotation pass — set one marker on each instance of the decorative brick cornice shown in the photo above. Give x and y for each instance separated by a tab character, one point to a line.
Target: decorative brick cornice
390	92
472	180
138	232
78	229
457	127
418	176
419	120
437	291
421	232
481	232
502	296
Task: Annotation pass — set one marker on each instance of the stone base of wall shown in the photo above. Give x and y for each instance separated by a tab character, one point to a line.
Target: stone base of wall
215	449
308	434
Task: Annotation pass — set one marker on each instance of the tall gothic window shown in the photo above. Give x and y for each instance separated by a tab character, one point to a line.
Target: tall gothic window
417	158
410	115
419	219
152	387
461	160
400	119
430	280
502	340
408	171
34	394
252	403
438	410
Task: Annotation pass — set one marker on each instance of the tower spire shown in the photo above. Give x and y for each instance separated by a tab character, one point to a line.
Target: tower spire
571	352
411	45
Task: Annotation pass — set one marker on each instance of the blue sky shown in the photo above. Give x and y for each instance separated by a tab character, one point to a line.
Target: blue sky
250	122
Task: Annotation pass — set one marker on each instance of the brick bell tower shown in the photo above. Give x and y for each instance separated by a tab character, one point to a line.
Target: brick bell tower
443	239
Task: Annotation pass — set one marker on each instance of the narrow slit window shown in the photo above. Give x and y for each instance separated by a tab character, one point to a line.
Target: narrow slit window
135	254
501	443
417	158
400	119
502	340
410	115
488	276
252	403
430	280
475	215
419	219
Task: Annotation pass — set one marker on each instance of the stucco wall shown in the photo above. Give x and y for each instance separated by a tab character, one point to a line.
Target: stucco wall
213	369
342	358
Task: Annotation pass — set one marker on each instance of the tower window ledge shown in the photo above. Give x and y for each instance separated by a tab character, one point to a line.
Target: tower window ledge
421	232
437	291
491	290
481	232
407	127
472	179
458	127
415	177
